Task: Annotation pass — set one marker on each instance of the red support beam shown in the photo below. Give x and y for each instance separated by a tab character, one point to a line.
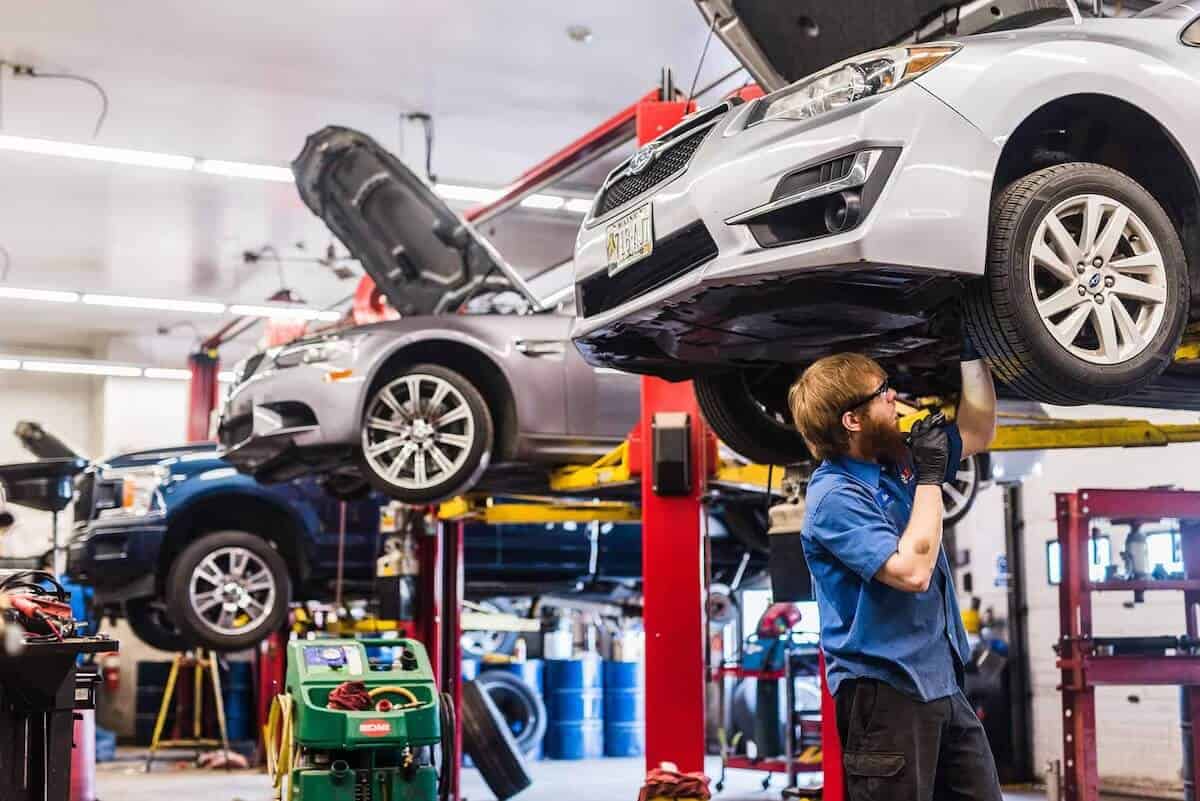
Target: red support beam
202	393
673	587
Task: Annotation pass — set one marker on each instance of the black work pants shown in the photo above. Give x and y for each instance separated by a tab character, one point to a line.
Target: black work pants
896	748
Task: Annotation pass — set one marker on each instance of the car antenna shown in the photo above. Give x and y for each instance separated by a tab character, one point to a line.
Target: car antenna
703	54
426	123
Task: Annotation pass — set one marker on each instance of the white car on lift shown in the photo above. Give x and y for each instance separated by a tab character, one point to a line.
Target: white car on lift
1013	162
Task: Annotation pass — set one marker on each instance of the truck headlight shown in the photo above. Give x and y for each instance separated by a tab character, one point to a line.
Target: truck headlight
138	492
854	79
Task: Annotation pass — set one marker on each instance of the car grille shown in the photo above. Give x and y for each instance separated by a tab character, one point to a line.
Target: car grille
673	256
236	430
668	162
252	364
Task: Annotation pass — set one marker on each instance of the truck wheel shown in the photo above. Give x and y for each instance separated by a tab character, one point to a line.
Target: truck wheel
152	624
1086	293
426	435
228	590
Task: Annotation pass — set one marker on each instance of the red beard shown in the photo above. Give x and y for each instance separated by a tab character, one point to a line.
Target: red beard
883	441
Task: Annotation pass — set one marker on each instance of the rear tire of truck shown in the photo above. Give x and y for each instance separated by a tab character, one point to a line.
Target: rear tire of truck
491	745
152	624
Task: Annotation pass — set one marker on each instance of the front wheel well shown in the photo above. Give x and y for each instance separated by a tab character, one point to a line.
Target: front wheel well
478	369
233	512
1102	129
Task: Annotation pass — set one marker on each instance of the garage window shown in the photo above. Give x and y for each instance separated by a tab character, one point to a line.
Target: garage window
1191	34
1101	559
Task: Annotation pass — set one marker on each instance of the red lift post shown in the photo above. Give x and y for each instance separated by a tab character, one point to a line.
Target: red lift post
1083	666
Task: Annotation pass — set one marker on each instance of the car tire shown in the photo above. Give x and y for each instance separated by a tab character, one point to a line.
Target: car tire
1036	320
152	624
478	644
522	708
490	744
203	569
392	436
740	419
958	496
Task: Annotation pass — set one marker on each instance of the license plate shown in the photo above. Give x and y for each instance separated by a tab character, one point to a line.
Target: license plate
630	238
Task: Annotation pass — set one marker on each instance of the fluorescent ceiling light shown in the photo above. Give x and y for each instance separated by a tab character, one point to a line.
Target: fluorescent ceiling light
241	169
540	201
285	312
245	169
82	368
474	194
50	295
115	155
171	373
10	364
161	304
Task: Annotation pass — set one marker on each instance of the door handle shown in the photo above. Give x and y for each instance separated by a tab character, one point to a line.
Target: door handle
539	348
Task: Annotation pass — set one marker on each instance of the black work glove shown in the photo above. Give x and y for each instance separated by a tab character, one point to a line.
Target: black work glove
930	449
969	352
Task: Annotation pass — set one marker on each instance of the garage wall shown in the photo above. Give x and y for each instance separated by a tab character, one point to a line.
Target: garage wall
1138	727
140	413
64	405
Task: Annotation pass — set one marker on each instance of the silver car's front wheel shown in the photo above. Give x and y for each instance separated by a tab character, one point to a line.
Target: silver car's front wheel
425	434
1086	293
1099	279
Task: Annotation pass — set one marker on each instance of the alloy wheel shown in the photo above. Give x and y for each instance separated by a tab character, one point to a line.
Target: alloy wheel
232	590
418	431
1098	279
958	494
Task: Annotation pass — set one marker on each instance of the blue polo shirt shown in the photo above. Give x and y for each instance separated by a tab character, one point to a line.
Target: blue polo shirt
854	516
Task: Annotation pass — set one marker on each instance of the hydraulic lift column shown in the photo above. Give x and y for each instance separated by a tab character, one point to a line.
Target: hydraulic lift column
674	573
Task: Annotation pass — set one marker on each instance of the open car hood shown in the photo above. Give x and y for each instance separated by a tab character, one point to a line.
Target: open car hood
425	258
781	42
46	485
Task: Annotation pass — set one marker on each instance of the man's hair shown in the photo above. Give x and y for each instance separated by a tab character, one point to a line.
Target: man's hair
820	395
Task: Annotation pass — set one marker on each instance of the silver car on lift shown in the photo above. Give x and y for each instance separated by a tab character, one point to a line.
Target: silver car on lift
479	368
1015	163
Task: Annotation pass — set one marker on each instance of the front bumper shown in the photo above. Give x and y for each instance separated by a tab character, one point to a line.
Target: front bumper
748	302
118	560
281	422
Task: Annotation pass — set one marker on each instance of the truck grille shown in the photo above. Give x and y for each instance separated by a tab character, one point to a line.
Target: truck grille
85	484
674	255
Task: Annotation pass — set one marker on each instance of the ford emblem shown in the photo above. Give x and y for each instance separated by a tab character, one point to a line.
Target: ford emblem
642	159
1094	281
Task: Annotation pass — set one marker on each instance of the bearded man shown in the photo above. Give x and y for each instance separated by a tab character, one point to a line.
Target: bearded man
891	630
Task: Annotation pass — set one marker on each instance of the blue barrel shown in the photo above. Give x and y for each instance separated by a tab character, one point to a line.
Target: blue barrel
238	694
574	708
531	672
624	702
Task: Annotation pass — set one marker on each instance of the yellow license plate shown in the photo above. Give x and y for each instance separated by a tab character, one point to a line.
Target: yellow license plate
630	238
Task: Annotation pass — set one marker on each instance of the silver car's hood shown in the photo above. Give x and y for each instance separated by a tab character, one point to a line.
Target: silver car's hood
779	42
425	258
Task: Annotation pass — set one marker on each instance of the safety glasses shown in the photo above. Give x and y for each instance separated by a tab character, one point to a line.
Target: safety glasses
865	399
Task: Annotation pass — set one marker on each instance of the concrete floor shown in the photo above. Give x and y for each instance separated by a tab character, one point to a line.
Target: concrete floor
591	780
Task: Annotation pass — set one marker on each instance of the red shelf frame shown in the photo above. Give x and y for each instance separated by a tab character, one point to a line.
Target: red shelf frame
1082	669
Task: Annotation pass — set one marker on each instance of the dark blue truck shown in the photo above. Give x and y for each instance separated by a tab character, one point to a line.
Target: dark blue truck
192	552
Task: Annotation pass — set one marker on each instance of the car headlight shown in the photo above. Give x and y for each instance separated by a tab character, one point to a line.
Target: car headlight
138	492
312	352
854	79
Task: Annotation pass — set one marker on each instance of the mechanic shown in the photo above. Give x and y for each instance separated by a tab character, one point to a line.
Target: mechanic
891	631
